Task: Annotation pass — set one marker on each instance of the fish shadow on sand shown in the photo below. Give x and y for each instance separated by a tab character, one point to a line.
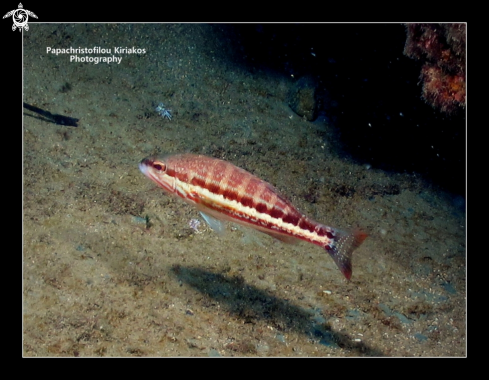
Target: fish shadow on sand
250	303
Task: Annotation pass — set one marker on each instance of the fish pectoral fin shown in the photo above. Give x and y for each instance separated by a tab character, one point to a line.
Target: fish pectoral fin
213	223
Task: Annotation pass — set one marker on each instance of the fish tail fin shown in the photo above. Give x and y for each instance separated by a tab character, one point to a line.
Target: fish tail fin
342	247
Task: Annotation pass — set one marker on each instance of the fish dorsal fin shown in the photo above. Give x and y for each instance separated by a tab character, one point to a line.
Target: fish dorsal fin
213	223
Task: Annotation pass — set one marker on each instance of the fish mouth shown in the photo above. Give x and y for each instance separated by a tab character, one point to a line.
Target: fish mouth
161	179
146	163
144	167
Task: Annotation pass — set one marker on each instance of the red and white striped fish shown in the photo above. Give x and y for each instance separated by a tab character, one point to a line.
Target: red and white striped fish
222	191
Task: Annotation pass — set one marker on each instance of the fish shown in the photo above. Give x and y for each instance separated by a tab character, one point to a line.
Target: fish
222	191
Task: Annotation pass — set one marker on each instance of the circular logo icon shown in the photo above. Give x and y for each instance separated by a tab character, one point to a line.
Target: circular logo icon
20	17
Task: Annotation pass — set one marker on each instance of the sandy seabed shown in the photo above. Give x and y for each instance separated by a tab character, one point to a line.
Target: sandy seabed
111	266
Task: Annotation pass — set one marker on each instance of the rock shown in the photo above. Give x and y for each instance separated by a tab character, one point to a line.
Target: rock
302	98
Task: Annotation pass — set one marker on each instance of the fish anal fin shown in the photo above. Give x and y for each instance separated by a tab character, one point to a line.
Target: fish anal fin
282	238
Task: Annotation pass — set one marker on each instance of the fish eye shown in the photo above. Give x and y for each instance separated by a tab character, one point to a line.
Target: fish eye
160	166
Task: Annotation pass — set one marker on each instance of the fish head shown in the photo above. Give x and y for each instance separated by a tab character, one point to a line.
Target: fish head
157	170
